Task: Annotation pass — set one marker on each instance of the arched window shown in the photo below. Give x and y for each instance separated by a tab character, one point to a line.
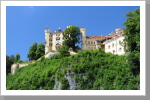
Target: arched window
50	44
57	38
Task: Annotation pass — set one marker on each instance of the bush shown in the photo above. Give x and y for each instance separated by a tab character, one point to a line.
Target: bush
64	51
93	70
65	84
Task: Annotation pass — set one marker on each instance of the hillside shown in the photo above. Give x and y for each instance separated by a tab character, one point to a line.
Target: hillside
87	70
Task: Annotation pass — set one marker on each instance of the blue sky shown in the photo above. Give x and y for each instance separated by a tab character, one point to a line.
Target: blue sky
25	24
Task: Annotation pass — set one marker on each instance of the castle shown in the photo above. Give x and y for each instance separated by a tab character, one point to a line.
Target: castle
110	43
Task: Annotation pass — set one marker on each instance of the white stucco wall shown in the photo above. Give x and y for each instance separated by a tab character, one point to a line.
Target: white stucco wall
118	48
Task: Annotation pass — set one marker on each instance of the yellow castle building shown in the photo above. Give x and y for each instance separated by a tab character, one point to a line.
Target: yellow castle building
112	42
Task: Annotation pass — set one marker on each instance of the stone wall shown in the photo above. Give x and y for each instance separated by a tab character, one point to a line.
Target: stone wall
15	66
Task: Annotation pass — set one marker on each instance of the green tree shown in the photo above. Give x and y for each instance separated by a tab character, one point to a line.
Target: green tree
36	51
9	61
32	52
72	36
17	58
132	40
40	50
132	31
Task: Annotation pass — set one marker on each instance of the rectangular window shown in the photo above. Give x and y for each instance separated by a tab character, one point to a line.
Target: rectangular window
50	44
50	35
120	49
88	42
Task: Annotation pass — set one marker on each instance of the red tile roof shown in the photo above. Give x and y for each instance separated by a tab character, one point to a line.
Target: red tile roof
95	37
115	35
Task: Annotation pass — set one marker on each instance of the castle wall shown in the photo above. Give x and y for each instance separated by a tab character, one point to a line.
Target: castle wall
55	41
91	44
16	66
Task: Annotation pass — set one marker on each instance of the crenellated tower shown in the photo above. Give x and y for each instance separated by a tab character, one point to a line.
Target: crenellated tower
48	40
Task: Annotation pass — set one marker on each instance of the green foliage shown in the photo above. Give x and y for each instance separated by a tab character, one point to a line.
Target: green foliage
36	51
72	36
17	58
64	51
132	31
9	61
65	84
32	52
93	70
40	50
132	40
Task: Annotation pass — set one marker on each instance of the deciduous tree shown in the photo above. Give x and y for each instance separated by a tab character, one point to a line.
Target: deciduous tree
40	50
9	61
17	58
132	40
72	36
36	51
32	52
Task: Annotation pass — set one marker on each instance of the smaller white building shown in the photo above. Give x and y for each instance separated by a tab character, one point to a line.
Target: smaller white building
114	43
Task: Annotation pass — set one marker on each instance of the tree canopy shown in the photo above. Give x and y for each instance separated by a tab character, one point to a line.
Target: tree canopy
32	52
36	51
17	58
132	40
132	31
10	60
40	50
72	36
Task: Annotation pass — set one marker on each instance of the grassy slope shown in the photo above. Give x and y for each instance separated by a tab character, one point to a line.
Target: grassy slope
102	70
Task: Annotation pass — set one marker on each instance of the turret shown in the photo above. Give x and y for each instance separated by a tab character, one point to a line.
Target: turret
48	37
83	39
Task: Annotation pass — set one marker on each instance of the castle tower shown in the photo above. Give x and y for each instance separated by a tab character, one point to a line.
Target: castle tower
48	40
83	38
